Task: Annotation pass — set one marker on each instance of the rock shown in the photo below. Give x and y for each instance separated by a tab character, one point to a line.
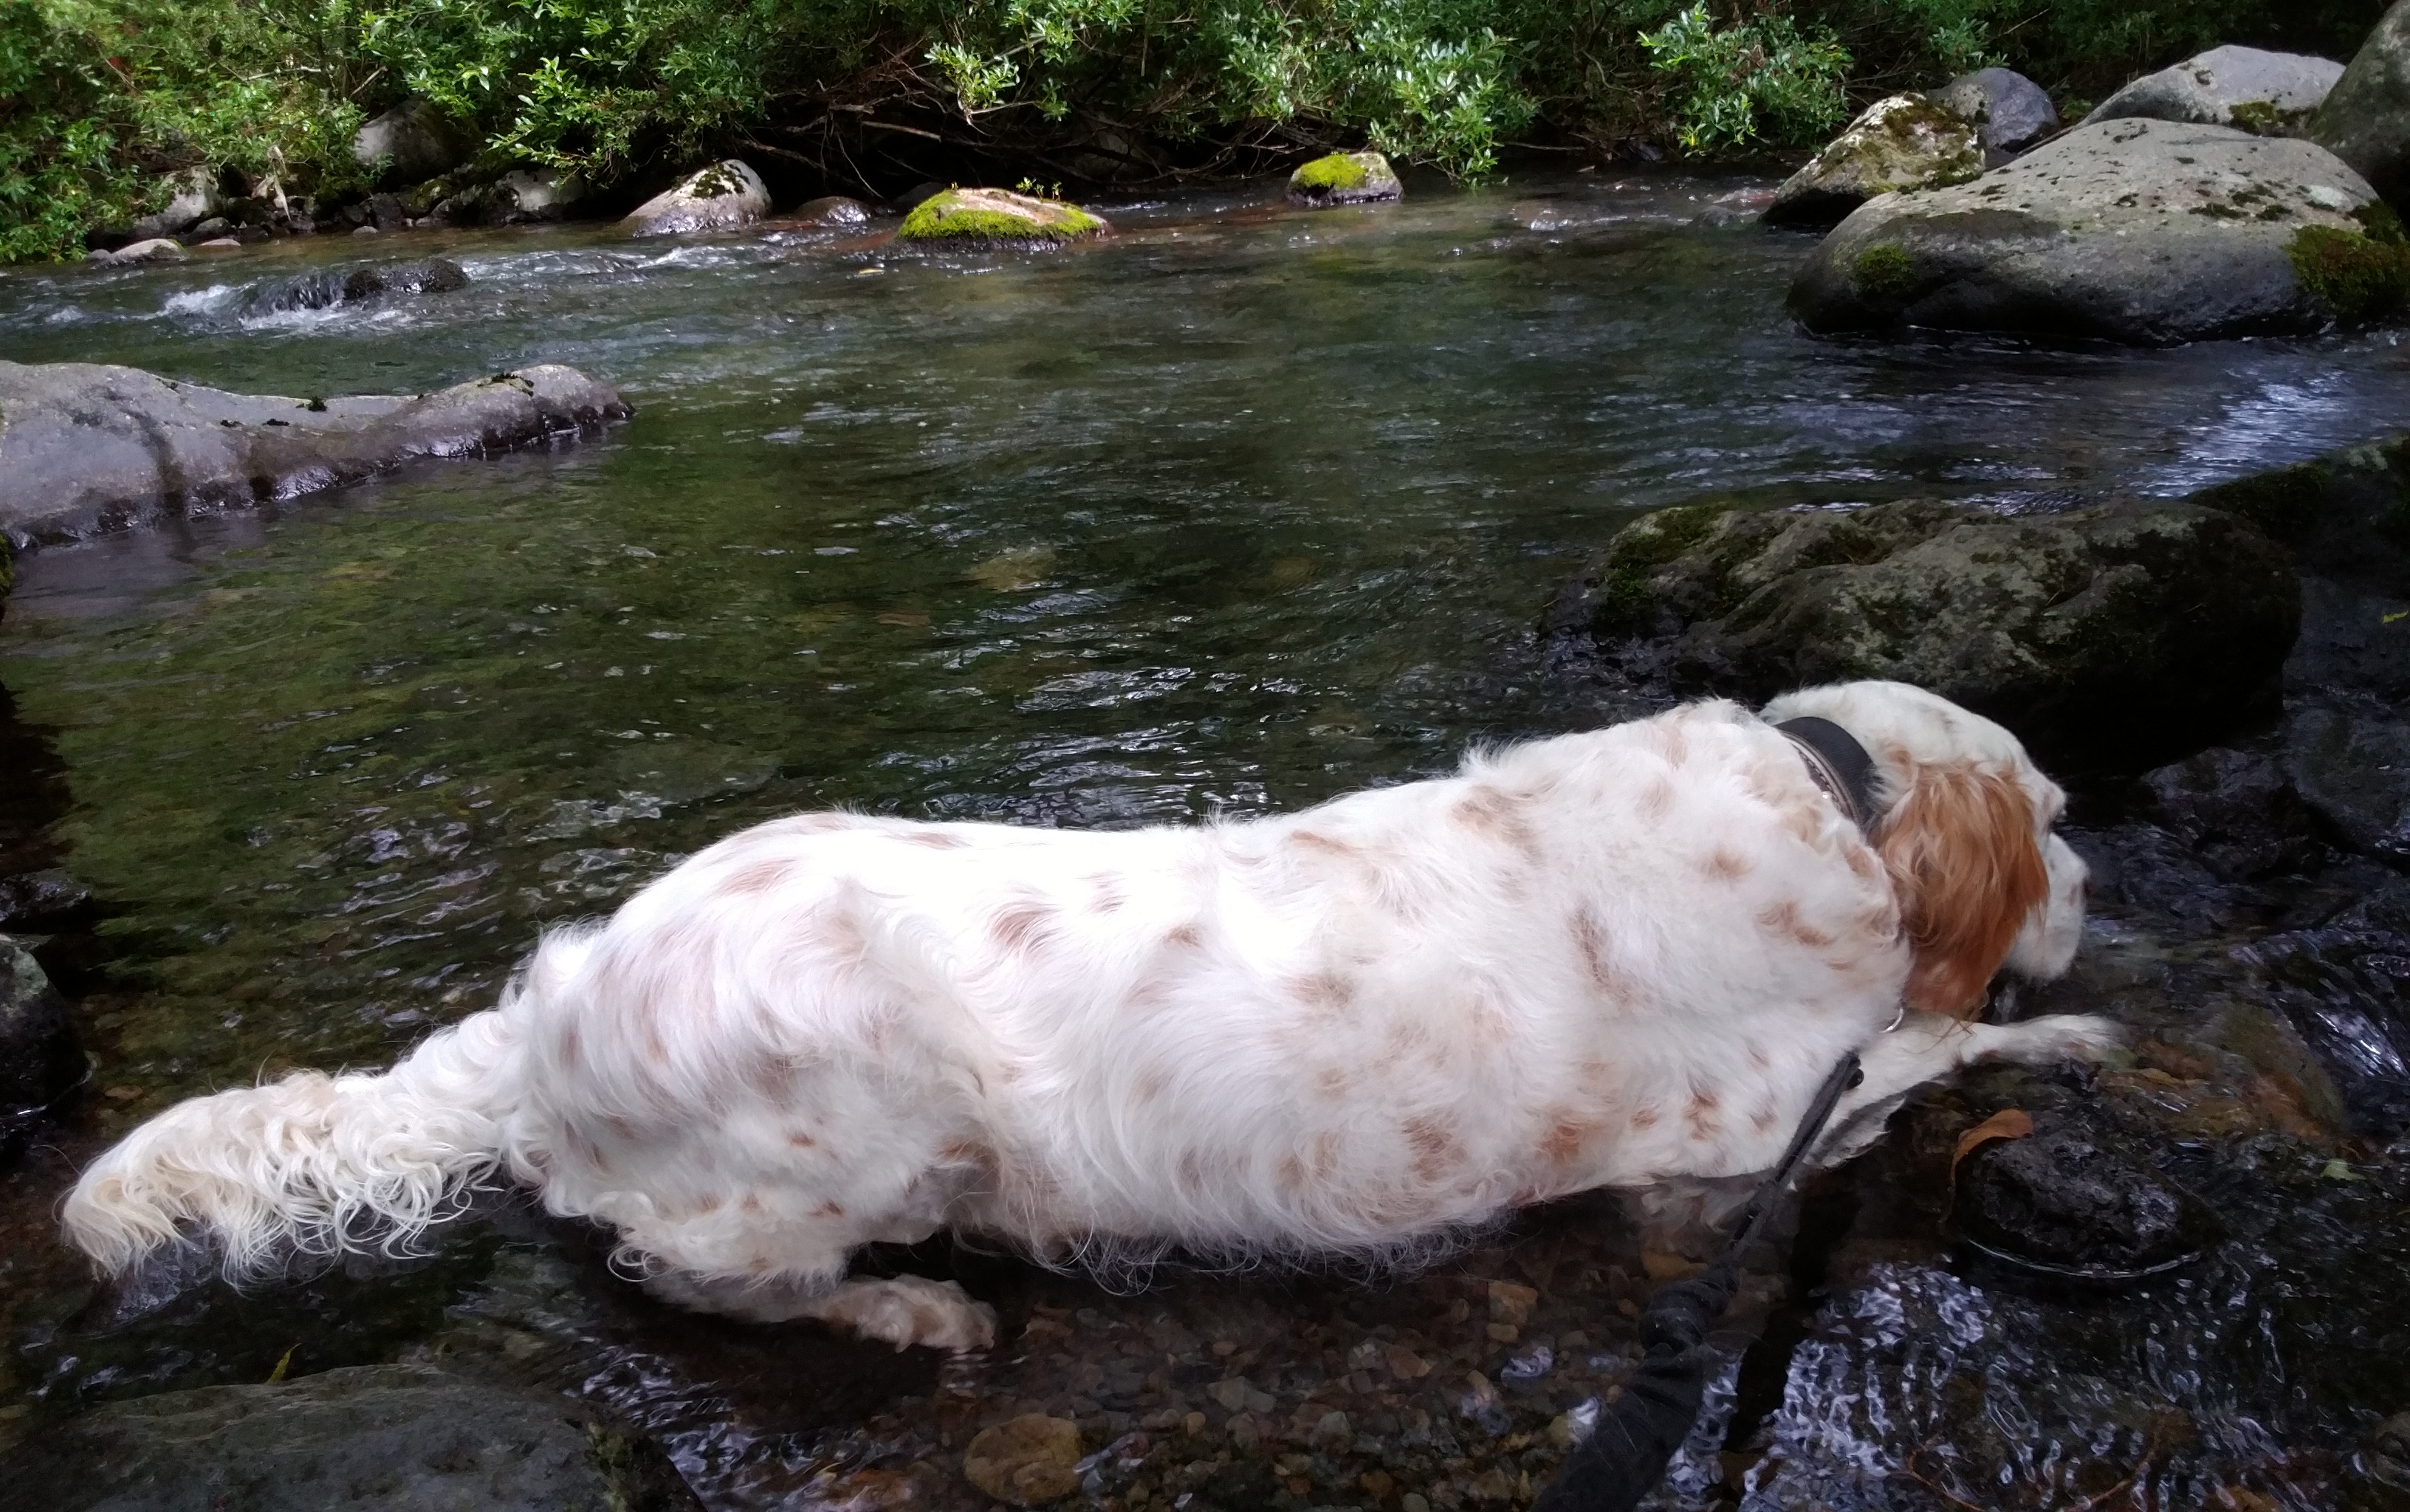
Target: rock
534	195
2366	118
37	899
2056	1201
1904	142
832	210
2272	94
2099	634
2236	811
1027	1461
415	141
2346	516
156	250
193	196
2010	113
2142	231
327	288
396	1438
2345	987
1344	179
727	194
997	218
41	1063
2350	761
86	448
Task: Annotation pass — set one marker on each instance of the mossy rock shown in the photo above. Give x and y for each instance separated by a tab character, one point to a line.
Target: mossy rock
1344	179
2363	278
997	218
2101	635
1905	142
2346	516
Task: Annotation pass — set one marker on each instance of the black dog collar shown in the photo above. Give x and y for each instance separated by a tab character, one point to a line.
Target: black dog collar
1839	765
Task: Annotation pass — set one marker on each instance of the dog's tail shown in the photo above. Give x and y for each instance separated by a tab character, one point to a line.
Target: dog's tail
312	1163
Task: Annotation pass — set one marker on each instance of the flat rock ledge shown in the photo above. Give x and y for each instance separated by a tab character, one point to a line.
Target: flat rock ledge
87	449
2097	634
997	218
2143	231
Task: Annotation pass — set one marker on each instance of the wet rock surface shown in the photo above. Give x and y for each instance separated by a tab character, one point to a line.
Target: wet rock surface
86	448
988	219
1904	142
414	140
2010	113
41	1063
2365	120
2135	230
2268	93
2095	633
2059	1202
726	195
394	1437
1344	179
327	288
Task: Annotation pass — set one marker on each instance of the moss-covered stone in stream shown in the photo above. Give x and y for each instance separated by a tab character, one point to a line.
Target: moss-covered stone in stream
1344	179
2362	277
989	218
1884	271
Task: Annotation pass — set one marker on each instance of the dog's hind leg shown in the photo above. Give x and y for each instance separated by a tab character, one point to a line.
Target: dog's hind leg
902	1311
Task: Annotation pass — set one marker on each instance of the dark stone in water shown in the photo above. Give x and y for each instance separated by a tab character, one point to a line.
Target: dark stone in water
2058	1202
2236	811
325	289
2345	988
399	1438
41	899
2099	636
41	1063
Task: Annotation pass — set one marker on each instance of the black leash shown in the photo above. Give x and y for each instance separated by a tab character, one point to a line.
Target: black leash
1626	1455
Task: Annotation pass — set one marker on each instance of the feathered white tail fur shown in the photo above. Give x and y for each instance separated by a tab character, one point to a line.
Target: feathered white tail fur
312	1163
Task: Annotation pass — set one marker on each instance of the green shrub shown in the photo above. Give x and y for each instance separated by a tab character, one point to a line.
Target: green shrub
1751	80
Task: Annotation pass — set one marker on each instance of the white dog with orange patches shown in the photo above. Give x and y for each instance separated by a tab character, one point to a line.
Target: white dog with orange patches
1603	959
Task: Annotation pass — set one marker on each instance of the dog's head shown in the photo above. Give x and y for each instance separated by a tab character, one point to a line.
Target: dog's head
1965	829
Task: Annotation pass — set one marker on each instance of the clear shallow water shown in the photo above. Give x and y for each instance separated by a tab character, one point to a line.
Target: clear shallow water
1240	509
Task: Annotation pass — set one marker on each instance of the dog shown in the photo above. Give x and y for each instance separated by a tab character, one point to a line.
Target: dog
1603	959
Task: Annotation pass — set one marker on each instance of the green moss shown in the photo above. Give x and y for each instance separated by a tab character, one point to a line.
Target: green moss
2362	277
2262	119
1884	271
1339	170
1624	597
2378	221
946	218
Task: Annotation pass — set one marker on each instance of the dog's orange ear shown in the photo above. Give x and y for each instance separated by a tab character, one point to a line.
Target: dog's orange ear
1959	845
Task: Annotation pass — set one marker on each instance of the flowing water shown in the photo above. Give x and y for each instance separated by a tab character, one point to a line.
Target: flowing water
1238	510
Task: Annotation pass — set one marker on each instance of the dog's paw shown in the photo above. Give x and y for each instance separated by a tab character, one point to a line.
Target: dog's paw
908	1311
2063	1036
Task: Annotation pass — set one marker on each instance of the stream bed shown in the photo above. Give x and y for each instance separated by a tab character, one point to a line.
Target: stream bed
1235	511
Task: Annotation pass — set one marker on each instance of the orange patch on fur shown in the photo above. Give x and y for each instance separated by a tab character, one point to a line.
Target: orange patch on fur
1152	1086
1022	927
1436	1151
1566	1136
1784	919
1762	1120
1700	1114
760	877
1109	892
1292	1172
1187	936
1645	1117
1493	813
752	1202
709	1203
1656	799
936	839
799	1139
1334	1081
828	1210
1310	840
1323	989
1967	870
1725	865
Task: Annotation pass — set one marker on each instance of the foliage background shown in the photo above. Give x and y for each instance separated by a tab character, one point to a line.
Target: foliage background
99	98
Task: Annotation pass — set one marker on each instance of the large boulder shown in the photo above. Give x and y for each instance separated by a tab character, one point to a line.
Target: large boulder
1344	179
413	141
726	194
86	448
997	218
1904	142
2010	113
2142	231
40	1061
396	1438
2269	93
193	196
2102	635
2366	118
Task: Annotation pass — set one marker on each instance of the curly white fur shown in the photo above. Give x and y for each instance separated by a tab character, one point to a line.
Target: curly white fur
1603	959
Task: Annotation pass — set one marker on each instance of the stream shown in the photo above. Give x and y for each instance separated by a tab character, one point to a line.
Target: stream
1237	510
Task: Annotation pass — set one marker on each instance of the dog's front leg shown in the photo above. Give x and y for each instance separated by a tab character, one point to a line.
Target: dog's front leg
1927	1047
